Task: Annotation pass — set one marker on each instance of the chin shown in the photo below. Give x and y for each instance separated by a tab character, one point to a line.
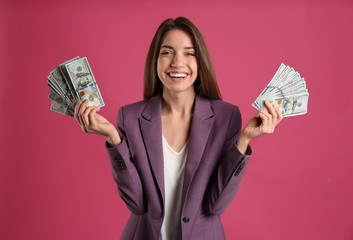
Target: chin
180	89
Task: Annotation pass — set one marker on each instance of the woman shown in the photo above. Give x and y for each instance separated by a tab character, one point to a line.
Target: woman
178	156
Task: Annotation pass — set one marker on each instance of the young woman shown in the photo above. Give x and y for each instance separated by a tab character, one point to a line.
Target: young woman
178	156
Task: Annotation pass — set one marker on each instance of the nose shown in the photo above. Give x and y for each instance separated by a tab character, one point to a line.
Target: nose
178	60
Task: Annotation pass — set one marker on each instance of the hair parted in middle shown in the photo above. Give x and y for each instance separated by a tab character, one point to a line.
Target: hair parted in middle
205	84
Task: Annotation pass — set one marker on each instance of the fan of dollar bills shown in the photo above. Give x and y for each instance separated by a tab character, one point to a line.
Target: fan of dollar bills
70	82
287	90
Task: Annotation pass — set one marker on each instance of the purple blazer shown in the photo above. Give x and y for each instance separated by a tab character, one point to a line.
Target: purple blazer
213	169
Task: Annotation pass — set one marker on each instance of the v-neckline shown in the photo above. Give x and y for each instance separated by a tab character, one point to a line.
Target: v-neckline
181	150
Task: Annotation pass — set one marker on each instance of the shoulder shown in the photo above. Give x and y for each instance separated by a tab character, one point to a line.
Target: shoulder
135	107
224	109
149	108
227	118
131	111
226	115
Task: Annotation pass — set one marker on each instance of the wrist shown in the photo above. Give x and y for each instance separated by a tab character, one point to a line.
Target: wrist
244	139
113	139
243	142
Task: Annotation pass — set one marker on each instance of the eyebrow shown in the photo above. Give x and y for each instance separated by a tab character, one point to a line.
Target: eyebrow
167	46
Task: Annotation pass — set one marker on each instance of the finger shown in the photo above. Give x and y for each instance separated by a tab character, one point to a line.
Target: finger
85	117
268	126
83	107
77	107
77	114
92	116
257	114
276	119
268	116
80	112
265	117
271	110
262	111
265	121
279	114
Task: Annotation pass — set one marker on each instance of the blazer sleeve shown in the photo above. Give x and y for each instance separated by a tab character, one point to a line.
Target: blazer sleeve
124	171
225	181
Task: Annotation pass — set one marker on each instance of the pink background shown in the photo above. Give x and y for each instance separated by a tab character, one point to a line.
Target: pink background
55	181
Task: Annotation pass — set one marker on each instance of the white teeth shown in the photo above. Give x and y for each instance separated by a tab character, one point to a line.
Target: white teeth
178	75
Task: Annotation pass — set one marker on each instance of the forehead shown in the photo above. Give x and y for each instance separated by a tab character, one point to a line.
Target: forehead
177	38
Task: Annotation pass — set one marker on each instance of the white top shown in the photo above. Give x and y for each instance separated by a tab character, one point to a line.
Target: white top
174	164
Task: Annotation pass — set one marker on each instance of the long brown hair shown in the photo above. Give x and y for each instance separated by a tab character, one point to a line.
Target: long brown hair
205	84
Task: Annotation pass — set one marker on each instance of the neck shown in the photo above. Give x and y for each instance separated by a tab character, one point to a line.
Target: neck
178	103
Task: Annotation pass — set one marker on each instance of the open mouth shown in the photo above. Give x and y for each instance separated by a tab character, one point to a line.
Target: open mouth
177	76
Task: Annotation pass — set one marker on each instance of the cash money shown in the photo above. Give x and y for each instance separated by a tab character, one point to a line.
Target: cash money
70	82
287	90
83	82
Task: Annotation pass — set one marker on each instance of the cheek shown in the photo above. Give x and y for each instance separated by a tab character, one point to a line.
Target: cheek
194	67
161	63
160	69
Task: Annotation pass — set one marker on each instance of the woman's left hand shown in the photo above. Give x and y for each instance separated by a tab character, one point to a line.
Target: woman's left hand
262	123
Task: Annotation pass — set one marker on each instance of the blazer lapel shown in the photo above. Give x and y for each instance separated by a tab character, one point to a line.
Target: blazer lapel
151	129
201	125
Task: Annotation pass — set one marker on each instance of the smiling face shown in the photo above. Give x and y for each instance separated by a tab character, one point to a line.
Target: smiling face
177	65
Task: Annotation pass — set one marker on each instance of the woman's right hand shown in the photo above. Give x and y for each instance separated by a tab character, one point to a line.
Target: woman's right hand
92	122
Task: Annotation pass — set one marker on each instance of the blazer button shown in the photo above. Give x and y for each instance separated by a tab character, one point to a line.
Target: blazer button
120	161
241	166
186	219
118	157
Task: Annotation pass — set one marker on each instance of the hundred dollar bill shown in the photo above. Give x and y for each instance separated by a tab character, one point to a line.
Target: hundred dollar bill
83	82
57	107
287	90
66	77
52	85
58	77
64	94
54	96
291	105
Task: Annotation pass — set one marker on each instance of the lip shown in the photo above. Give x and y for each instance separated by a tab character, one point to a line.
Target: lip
177	79
177	72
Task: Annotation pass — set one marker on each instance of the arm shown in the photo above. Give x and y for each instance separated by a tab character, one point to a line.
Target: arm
226	179
235	157
123	170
